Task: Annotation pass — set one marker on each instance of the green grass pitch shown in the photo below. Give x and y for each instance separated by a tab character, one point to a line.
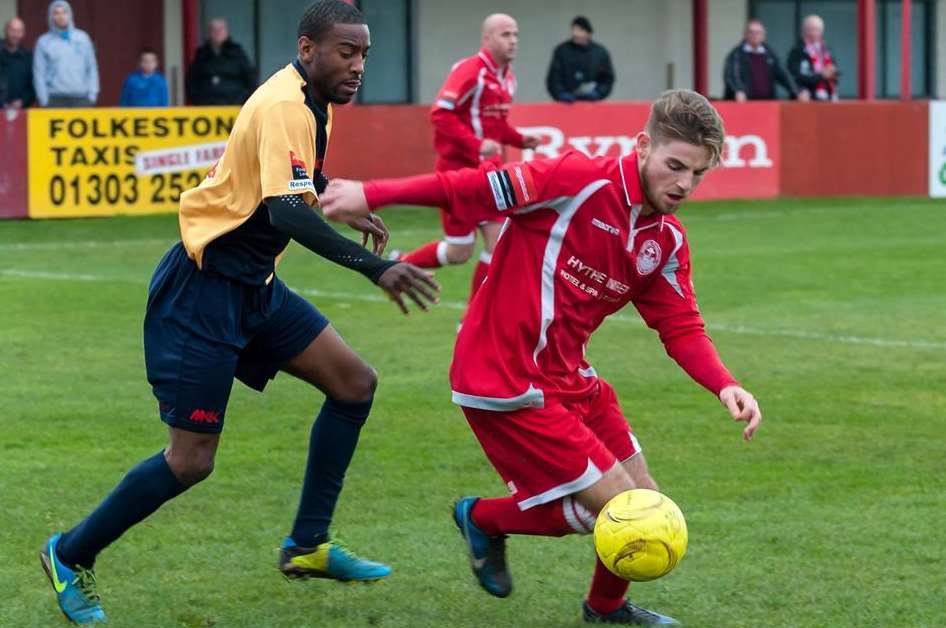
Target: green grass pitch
832	312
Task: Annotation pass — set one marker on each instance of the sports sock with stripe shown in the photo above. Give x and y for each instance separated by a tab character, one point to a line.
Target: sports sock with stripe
427	256
501	515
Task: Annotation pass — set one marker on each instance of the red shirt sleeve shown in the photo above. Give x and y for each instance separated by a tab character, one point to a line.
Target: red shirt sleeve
484	192
452	104
669	307
511	136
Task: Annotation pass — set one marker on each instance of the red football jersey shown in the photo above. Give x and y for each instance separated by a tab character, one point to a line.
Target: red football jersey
473	105
574	250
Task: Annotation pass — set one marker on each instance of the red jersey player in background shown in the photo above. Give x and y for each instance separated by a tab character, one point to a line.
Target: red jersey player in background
585	237
471	126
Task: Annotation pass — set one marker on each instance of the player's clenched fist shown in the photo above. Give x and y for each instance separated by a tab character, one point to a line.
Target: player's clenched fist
419	285
344	200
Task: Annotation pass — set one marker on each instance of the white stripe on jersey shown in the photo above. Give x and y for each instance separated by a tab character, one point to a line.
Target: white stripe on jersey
550	260
475	105
670	269
443	103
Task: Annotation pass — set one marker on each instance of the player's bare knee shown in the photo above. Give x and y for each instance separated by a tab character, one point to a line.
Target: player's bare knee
459	253
636	467
646	481
615	481
192	466
359	387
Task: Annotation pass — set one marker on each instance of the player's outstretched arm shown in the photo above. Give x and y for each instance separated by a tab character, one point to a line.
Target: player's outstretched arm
291	215
344	201
743	407
479	193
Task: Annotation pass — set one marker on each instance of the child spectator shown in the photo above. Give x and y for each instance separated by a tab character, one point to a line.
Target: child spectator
146	86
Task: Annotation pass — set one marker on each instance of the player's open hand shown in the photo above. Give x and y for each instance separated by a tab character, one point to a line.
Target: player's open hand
742	406
344	201
372	226
407	279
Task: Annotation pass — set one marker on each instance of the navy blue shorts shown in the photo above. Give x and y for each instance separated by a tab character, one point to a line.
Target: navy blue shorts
202	330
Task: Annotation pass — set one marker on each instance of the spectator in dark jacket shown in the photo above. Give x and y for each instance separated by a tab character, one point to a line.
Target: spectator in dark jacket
752	69
16	66
146	86
812	64
221	73
580	69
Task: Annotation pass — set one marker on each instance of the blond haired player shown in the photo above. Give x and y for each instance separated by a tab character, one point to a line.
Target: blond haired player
583	238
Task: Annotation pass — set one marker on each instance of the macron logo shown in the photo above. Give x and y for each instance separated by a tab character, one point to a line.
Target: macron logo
600	224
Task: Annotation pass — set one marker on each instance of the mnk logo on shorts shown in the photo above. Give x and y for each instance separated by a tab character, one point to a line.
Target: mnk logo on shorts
648	258
205	416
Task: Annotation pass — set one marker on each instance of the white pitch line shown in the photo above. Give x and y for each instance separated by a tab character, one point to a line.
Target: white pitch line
78	244
38	274
457	305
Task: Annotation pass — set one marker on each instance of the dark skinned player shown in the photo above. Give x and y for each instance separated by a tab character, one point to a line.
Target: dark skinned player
217	310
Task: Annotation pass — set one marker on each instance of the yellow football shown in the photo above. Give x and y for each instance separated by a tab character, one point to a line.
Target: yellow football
640	535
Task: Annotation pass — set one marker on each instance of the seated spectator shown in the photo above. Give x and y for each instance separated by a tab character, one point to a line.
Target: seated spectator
65	73
16	66
221	73
146	86
752	69
581	69
812	64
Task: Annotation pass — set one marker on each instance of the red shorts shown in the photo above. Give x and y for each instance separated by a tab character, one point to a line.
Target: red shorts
544	454
459	228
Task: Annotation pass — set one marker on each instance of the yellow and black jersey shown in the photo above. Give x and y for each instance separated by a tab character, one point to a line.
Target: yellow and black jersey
276	147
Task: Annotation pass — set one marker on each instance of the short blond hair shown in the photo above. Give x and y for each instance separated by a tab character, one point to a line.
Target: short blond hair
682	114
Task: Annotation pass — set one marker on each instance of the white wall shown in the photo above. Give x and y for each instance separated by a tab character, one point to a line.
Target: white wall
643	37
174	50
727	18
7	10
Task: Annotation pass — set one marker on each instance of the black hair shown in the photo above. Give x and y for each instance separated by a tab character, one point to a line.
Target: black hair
583	23
320	17
147	51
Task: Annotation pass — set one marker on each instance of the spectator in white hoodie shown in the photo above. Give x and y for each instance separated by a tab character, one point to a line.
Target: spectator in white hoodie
65	73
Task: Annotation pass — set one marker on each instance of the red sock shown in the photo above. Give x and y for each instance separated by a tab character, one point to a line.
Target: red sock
427	256
501	515
607	590
479	276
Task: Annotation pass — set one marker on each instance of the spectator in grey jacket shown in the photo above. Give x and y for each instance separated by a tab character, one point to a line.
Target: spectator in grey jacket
65	73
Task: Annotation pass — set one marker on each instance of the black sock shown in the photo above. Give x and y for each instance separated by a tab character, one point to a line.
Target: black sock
140	493
331	446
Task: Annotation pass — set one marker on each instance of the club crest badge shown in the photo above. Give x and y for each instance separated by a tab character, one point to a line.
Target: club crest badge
648	257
